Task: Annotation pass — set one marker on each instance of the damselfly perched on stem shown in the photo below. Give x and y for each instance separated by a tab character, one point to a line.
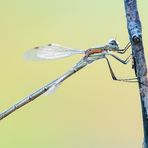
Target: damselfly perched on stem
54	51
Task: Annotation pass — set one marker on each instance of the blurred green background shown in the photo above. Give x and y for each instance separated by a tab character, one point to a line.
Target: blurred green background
89	110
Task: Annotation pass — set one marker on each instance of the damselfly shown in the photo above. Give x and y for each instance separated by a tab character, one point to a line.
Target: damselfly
54	51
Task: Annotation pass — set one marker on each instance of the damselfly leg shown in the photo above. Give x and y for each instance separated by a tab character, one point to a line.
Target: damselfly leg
122	51
112	73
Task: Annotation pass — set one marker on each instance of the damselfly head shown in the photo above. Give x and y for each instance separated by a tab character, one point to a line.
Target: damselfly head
113	45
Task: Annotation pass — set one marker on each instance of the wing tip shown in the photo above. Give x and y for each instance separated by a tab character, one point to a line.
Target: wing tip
29	55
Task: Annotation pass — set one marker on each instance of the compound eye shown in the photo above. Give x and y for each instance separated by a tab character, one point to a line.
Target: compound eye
111	43
114	42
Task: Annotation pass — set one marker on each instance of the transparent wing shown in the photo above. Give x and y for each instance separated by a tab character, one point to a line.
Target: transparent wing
56	83
51	51
52	89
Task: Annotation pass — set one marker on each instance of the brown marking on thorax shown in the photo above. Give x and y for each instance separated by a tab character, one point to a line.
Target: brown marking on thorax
90	51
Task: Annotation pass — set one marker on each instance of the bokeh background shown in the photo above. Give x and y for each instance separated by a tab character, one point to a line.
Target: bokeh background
89	110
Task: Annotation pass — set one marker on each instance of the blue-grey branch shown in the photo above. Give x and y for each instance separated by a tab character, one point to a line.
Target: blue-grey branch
135	35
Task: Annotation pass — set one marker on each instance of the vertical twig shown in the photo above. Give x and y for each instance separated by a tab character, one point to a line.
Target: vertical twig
135	35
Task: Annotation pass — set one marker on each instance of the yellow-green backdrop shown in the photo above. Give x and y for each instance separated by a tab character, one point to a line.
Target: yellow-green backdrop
89	110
